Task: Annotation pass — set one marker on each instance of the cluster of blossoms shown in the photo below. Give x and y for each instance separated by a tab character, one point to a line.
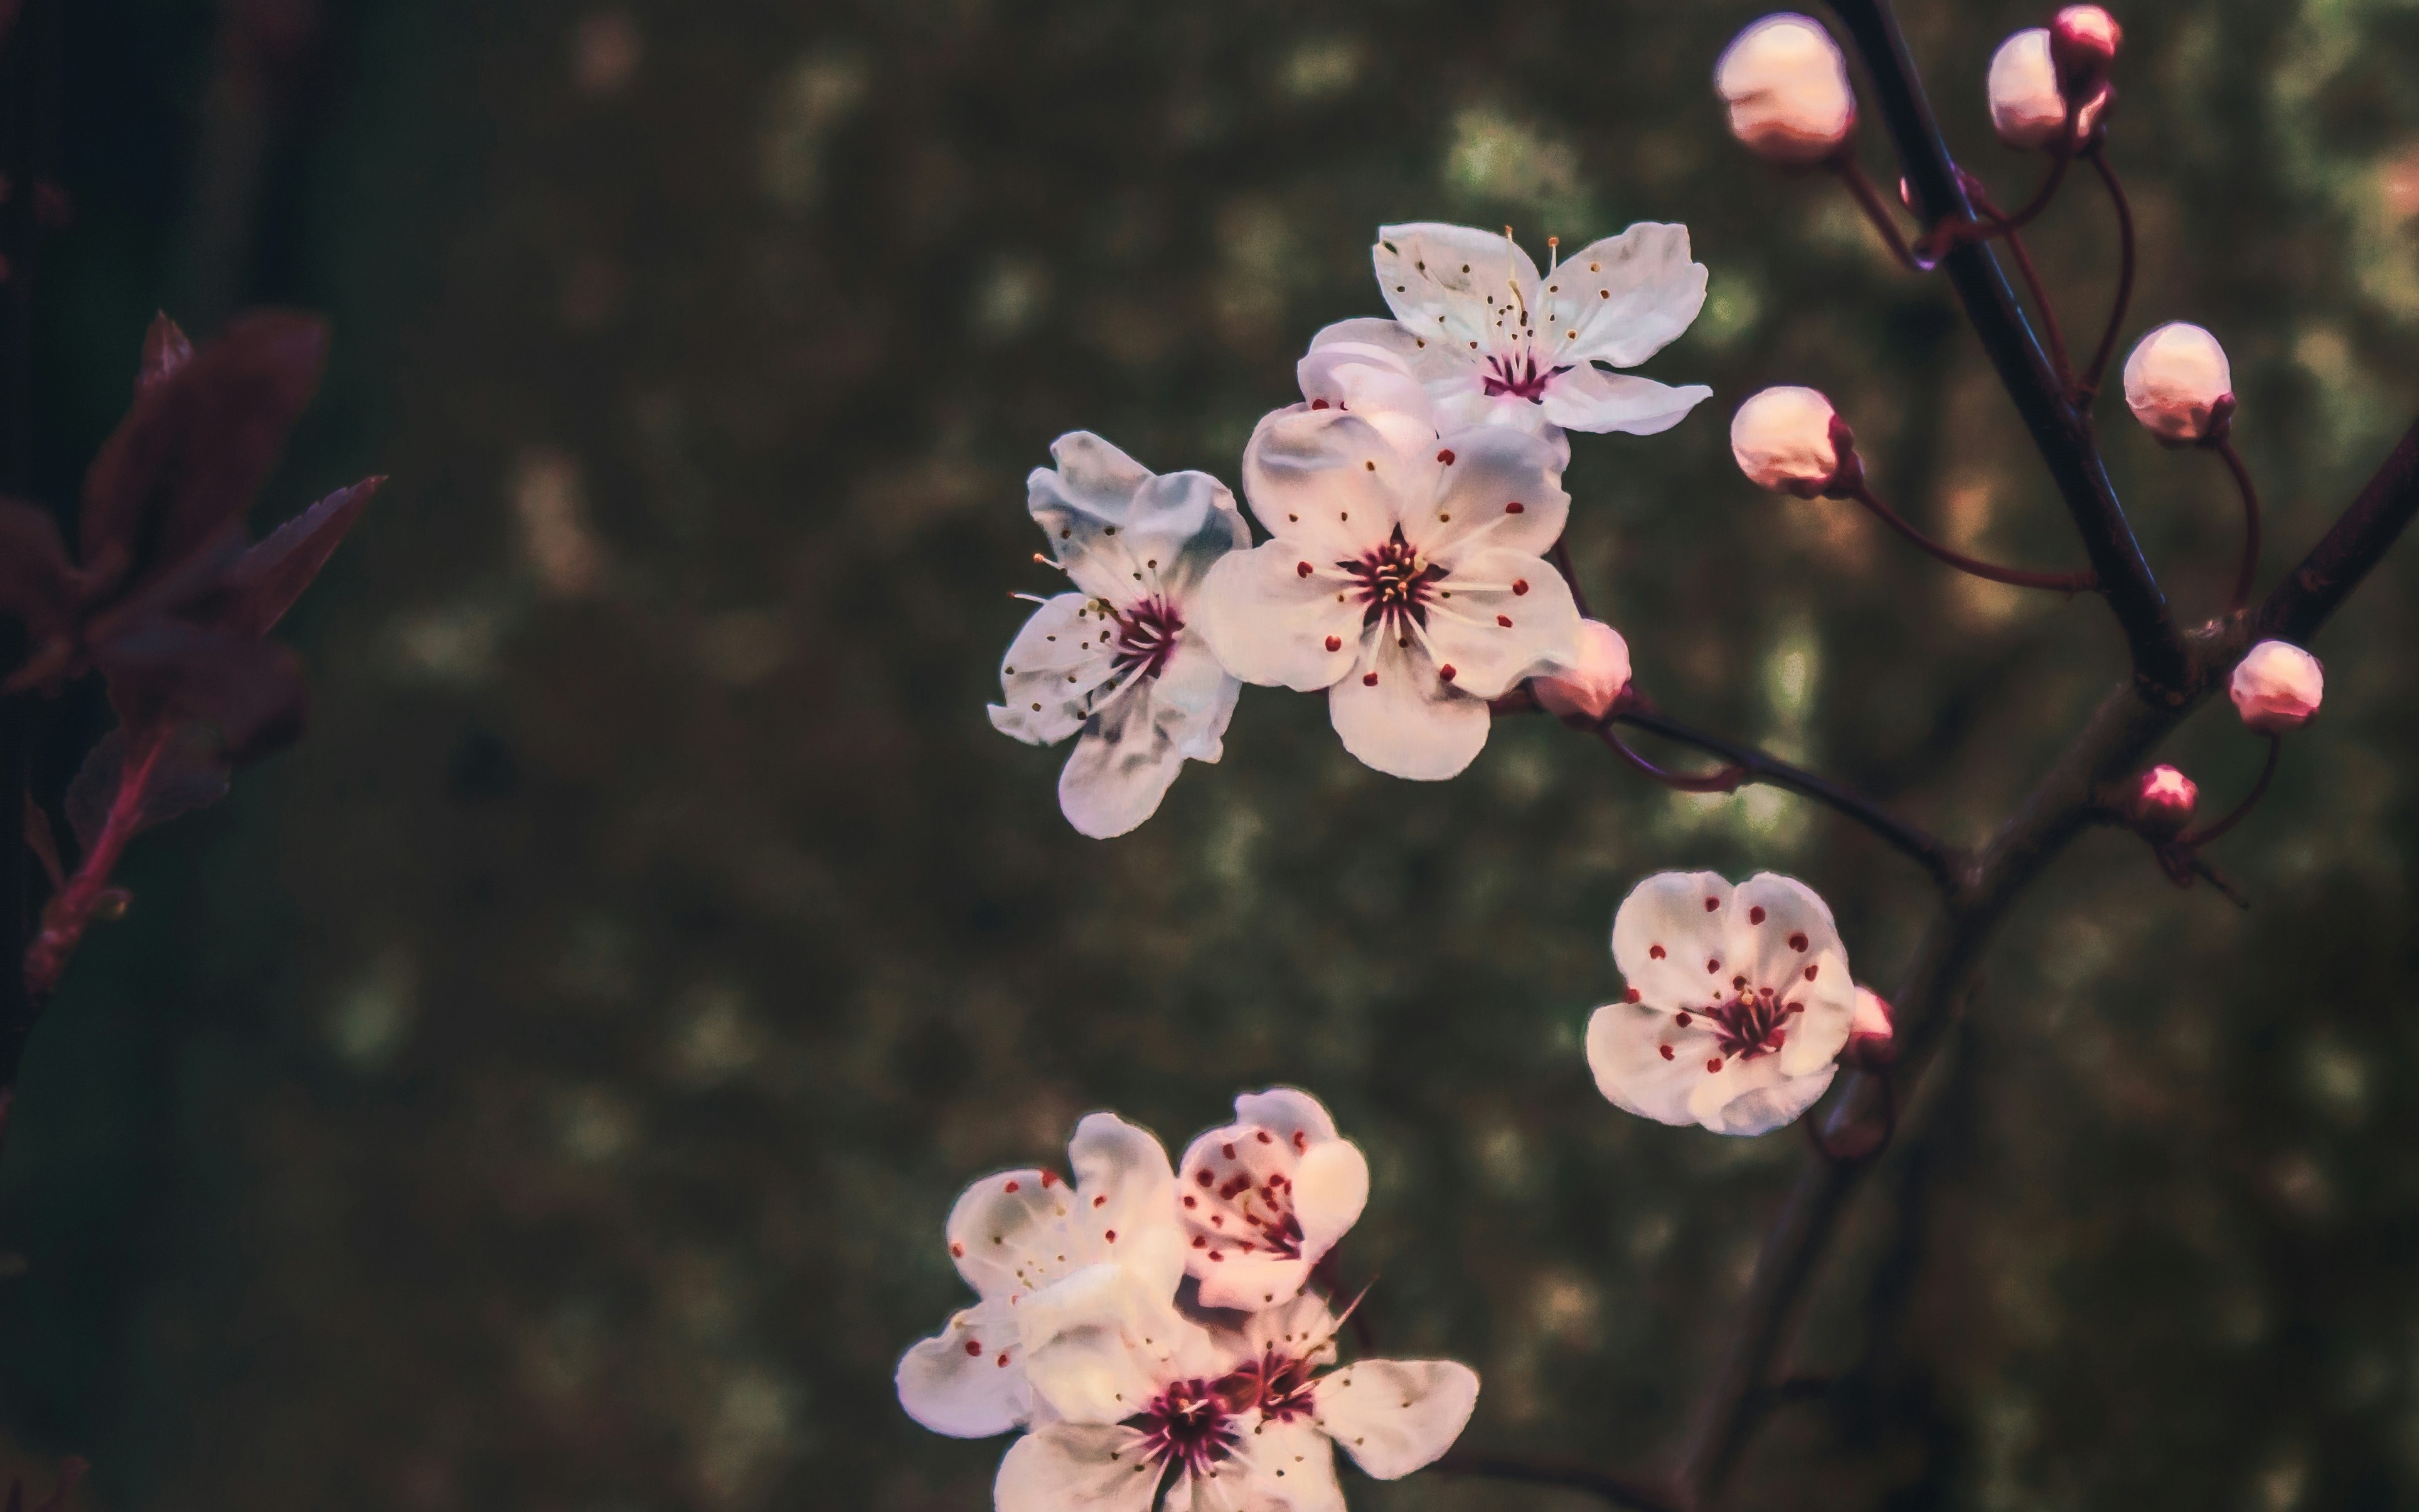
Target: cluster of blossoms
1152	1328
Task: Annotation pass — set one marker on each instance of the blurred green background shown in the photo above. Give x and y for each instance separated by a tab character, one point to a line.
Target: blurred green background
545	1087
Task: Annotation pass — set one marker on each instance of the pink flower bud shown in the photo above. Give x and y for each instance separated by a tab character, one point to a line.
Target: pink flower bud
2178	385
2163	801
1787	440
2277	688
1587	689
1871	1041
2083	42
2027	109
1787	87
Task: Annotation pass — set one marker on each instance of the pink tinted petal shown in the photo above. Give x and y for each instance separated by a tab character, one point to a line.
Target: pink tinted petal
1121	768
1288	1467
1625	1045
1486	488
1100	1342
1125	1187
1623	299
1245	1280
1055	662
1395	1416
1325	480
1590	686
1396	715
1664	934
1262	1203
1268	621
996	1226
1754	1097
1587	399
1303	1329
1070	1468
967	1381
1286	1111
1509	614
1775	927
1455	285
1331	1188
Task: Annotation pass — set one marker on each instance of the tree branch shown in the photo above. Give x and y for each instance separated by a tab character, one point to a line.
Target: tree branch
2060	431
2344	555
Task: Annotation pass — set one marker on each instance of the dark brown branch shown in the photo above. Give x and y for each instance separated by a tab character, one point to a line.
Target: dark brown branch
2344	555
1633	1496
2059	428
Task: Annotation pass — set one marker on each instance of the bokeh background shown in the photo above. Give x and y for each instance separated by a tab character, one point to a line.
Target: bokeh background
543	1087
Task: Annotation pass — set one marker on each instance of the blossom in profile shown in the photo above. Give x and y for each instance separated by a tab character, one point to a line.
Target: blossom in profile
1873	1032
2277	687
1406	583
1739	1002
1265	1197
2027	108
1787	438
1594	683
1117	662
1495	342
2083	43
1060	1271
1786	84
2163	801
2178	384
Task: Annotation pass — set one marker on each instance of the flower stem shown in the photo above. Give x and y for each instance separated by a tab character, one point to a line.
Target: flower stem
69	914
2222	444
1726	780
2195	840
1877	211
2088	388
2064	582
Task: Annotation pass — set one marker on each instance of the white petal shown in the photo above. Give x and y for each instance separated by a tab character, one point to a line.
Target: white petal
1290	1467
1462	288
1501	489
967	1381
1003	1231
1394	714
1068	1467
1756	1096
1625	1049
1827	1018
1395	1416
1286	1111
1373	381
1052	670
1330	1190
1325	480
1622	299
1125	1188
1587	398
1122	767
1124	534
1100	1344
1510	615
1245	1280
1303	1329
1664	933
1777	931
1423	359
1263	1202
1268	621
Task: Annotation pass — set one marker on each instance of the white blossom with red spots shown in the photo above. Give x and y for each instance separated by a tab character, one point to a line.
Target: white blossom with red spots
1495	342
1405	581
1062	1272
1739	1002
1117	662
1266	1197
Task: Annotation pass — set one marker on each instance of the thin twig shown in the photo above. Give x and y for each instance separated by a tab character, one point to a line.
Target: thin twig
2064	582
1877	211
2354	544
2198	838
2224	446
2089	388
1727	779
2051	331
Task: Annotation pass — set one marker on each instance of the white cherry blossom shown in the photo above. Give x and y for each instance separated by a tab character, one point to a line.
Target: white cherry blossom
1495	342
1786	84
1738	1005
1265	1197
1054	1265
1117	662
1407	583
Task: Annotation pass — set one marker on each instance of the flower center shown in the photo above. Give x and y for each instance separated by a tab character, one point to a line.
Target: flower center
1189	1426
1518	376
1146	638
1752	1024
1276	1385
1396	581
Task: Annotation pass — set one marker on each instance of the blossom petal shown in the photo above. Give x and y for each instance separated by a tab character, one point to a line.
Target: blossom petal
1122	767
1324	480
1395	1416
1286	1111
1400	717
1510	616
1372	380
1069	1467
1664	933
1779	933
1289	1467
1588	399
1098	1344
1626	1044
1423	359
1124	1186
1123	533
1453	285
1303	1329
1756	1096
1623	299
968	1380
1264	1201
1195	694
1270	622
1487	487
998	1226
1051	669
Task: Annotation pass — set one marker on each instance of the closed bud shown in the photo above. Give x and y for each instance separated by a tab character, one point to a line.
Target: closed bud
2027	108
2083	42
2163	801
2277	688
1589	690
2178	385
1787	87
1791	440
1871	1037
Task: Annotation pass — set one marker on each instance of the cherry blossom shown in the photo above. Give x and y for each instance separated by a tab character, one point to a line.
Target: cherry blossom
1407	583
2277	687
1595	681
1054	1265
1738	1005
2027	109
1265	1197
1494	342
2178	384
1117	662
1787	87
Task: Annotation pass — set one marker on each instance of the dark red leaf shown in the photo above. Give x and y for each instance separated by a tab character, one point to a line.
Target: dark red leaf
36	584
189	773
197	446
162	671
265	581
165	348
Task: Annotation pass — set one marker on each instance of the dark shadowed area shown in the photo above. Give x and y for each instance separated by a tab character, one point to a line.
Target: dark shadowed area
544	1086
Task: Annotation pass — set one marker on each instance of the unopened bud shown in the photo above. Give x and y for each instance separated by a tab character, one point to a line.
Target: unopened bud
1787	87
1871	1035
2277	688
2083	42
2027	109
2178	385
1791	440
1589	690
2163	801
